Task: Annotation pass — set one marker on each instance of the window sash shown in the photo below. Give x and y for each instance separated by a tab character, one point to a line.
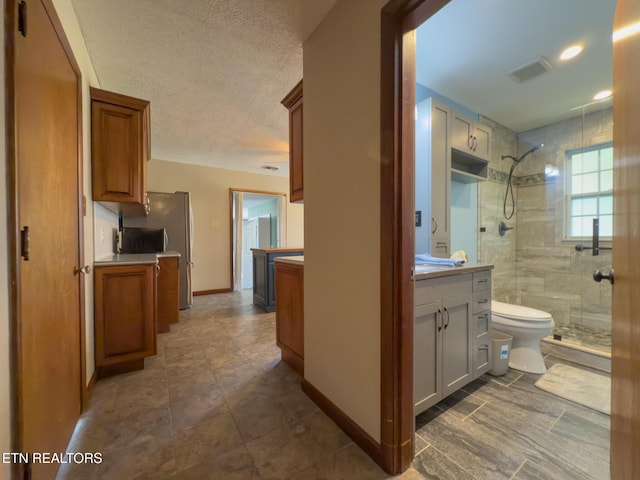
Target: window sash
590	172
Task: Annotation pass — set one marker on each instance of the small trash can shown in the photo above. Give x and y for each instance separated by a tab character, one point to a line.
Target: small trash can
501	348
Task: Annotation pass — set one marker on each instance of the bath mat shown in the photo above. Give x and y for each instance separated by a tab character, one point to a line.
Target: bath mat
587	388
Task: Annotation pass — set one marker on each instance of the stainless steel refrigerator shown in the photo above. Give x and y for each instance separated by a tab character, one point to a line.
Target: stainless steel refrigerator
171	211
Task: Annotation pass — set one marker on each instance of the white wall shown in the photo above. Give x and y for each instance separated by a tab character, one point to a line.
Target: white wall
5	408
209	188
342	209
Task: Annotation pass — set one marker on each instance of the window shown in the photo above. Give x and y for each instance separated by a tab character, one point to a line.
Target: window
590	191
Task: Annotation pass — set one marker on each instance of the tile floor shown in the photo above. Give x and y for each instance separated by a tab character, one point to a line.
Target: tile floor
216	403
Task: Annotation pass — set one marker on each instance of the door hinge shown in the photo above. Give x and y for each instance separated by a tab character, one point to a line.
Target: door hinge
22	18
25	240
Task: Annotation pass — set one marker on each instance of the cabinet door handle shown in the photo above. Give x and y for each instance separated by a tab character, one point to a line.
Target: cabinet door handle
447	312
475	143
484	300
470	142
439	312
434	225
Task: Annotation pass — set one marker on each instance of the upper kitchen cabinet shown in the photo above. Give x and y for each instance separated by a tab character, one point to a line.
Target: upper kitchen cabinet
470	137
293	102
120	147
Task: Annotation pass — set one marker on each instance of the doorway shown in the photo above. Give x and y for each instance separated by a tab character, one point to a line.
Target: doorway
258	220
398	86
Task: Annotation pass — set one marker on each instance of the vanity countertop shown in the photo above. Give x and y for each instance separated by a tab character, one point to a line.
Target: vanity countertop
423	272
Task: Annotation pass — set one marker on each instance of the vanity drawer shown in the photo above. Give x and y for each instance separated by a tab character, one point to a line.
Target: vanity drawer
482	324
482	280
481	301
435	289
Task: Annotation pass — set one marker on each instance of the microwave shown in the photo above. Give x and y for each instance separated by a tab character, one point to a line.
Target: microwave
143	240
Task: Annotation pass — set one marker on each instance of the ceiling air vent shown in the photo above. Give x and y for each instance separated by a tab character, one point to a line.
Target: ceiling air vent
530	70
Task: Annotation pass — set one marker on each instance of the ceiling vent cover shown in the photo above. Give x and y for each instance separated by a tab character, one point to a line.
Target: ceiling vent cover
530	70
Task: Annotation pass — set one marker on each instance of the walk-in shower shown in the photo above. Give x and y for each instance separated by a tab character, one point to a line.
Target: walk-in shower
563	225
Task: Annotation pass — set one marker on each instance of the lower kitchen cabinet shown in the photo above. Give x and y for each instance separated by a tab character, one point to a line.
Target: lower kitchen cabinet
290	314
124	316
168	304
448	348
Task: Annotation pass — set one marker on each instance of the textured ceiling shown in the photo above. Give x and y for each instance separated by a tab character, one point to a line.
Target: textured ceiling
214	72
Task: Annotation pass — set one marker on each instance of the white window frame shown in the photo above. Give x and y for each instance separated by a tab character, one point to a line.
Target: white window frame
569	195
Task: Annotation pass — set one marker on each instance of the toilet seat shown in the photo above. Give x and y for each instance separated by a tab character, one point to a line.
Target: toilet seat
518	313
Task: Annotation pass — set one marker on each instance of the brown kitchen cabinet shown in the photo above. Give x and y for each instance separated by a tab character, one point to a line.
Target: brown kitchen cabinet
290	314
168	303
120	147
124	316
293	102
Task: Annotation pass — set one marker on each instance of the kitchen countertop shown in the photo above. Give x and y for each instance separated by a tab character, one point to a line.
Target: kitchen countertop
423	272
121	259
292	260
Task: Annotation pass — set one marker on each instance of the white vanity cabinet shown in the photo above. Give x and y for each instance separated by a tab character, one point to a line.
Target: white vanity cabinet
470	136
481	322
442	338
451	336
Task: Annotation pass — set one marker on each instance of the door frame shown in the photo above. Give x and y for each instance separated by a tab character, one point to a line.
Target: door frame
399	17
397	66
282	228
13	228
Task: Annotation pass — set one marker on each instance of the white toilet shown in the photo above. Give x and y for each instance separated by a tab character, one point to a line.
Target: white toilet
527	326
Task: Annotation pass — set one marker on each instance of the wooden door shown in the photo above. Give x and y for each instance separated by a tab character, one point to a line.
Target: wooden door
625	371
48	304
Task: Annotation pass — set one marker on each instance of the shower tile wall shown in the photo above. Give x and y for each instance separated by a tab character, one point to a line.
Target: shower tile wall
492	248
534	265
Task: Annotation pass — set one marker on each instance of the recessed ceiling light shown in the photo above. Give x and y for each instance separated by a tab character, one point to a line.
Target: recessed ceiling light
271	167
602	95
571	52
